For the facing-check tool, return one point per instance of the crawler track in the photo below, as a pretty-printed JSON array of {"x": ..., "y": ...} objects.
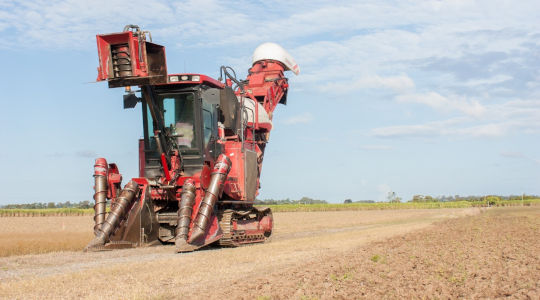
[{"x": 235, "y": 238}]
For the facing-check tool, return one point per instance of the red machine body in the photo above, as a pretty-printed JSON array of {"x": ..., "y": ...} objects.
[
  {"x": 126, "y": 58},
  {"x": 201, "y": 156}
]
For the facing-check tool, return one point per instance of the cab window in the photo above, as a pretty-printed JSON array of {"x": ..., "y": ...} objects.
[
  {"x": 178, "y": 117},
  {"x": 207, "y": 117}
]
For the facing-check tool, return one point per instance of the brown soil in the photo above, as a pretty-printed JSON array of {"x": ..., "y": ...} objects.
[
  {"x": 382, "y": 254},
  {"x": 495, "y": 255}
]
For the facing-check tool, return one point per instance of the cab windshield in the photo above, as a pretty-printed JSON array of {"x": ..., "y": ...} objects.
[{"x": 178, "y": 116}]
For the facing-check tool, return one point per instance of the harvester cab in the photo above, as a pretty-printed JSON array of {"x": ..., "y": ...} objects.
[{"x": 201, "y": 156}]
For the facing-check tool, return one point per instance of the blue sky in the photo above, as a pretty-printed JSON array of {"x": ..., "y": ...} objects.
[{"x": 415, "y": 97}]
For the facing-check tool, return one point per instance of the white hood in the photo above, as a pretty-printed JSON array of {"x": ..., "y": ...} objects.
[{"x": 276, "y": 52}]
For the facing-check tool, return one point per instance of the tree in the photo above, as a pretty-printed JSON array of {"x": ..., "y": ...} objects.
[
  {"x": 393, "y": 198},
  {"x": 418, "y": 198},
  {"x": 347, "y": 201},
  {"x": 305, "y": 200},
  {"x": 492, "y": 200}
]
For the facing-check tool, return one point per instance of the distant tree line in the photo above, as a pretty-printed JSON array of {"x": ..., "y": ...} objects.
[
  {"x": 393, "y": 198},
  {"x": 427, "y": 198},
  {"x": 38, "y": 205},
  {"x": 359, "y": 201},
  {"x": 303, "y": 200}
]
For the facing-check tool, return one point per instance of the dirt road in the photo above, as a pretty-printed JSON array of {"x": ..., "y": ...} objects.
[{"x": 305, "y": 247}]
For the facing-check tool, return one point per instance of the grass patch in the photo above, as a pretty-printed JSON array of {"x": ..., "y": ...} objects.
[
  {"x": 345, "y": 276},
  {"x": 375, "y": 258}
]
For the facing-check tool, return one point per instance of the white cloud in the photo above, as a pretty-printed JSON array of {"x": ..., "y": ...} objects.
[
  {"x": 459, "y": 127},
  {"x": 303, "y": 118},
  {"x": 483, "y": 130},
  {"x": 488, "y": 81},
  {"x": 72, "y": 23},
  {"x": 497, "y": 120},
  {"x": 406, "y": 47},
  {"x": 399, "y": 83},
  {"x": 439, "y": 102},
  {"x": 386, "y": 26},
  {"x": 423, "y": 130}
]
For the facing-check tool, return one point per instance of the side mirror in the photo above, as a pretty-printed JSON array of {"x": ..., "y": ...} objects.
[{"x": 130, "y": 100}]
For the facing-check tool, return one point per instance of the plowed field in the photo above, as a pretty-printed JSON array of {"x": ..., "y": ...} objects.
[{"x": 443, "y": 253}]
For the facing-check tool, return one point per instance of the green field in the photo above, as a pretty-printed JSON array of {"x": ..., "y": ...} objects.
[
  {"x": 387, "y": 205},
  {"x": 292, "y": 207},
  {"x": 45, "y": 212}
]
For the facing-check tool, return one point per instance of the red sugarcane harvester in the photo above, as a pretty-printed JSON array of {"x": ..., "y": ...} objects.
[{"x": 201, "y": 156}]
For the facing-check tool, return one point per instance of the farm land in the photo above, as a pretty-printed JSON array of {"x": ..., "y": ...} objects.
[{"x": 466, "y": 252}]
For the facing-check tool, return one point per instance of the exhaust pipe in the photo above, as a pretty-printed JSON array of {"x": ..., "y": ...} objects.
[
  {"x": 116, "y": 215},
  {"x": 215, "y": 188},
  {"x": 187, "y": 199},
  {"x": 100, "y": 192}
]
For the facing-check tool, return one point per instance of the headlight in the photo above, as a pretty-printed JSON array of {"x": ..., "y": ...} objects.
[
  {"x": 173, "y": 78},
  {"x": 195, "y": 78},
  {"x": 184, "y": 77}
]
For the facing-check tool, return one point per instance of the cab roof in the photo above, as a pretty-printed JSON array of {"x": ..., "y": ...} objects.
[{"x": 191, "y": 78}]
